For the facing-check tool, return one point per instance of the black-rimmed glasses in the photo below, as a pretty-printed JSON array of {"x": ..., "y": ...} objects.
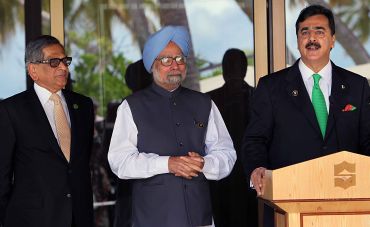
[
  {"x": 54, "y": 62},
  {"x": 167, "y": 60}
]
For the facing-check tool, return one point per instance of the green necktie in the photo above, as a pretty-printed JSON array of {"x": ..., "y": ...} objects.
[{"x": 319, "y": 105}]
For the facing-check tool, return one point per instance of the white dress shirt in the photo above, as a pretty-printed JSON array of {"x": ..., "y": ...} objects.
[
  {"x": 43, "y": 94},
  {"x": 325, "y": 81},
  {"x": 128, "y": 163}
]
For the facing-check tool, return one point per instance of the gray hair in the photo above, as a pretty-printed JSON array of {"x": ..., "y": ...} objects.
[{"x": 34, "y": 48}]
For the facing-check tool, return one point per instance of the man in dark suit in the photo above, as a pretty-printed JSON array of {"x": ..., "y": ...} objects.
[
  {"x": 233, "y": 202},
  {"x": 311, "y": 109},
  {"x": 46, "y": 135}
]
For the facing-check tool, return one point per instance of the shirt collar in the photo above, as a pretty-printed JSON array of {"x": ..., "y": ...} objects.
[
  {"x": 44, "y": 94},
  {"x": 307, "y": 73}
]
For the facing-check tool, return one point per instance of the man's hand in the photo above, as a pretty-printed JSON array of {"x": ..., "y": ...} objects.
[
  {"x": 186, "y": 166},
  {"x": 258, "y": 180},
  {"x": 194, "y": 161},
  {"x": 180, "y": 168}
]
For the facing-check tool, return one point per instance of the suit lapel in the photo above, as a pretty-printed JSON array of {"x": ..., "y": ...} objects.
[
  {"x": 338, "y": 97},
  {"x": 39, "y": 116},
  {"x": 298, "y": 94}
]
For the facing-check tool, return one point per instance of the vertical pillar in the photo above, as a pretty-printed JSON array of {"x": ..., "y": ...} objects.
[
  {"x": 261, "y": 39},
  {"x": 277, "y": 35},
  {"x": 57, "y": 19},
  {"x": 33, "y": 25}
]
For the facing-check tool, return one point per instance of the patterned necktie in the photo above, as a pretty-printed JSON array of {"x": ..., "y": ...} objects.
[
  {"x": 319, "y": 105},
  {"x": 62, "y": 126}
]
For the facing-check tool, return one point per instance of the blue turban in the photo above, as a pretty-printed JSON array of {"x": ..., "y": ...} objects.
[{"x": 159, "y": 40}]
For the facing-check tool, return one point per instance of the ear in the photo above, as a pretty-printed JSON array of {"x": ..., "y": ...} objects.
[
  {"x": 333, "y": 41},
  {"x": 32, "y": 71}
]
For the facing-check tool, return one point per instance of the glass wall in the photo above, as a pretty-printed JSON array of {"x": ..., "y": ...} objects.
[
  {"x": 105, "y": 37},
  {"x": 352, "y": 47},
  {"x": 12, "y": 44},
  {"x": 45, "y": 15}
]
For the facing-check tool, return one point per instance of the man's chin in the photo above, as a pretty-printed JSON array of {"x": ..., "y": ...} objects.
[
  {"x": 313, "y": 56},
  {"x": 61, "y": 84},
  {"x": 175, "y": 79}
]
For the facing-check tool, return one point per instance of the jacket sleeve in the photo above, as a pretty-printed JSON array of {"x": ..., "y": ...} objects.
[
  {"x": 365, "y": 120},
  {"x": 258, "y": 133},
  {"x": 7, "y": 146}
]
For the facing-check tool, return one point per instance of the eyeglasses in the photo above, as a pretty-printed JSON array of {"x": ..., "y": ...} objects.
[
  {"x": 167, "y": 60},
  {"x": 54, "y": 62}
]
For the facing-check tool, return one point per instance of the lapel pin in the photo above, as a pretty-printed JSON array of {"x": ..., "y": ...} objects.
[
  {"x": 75, "y": 106},
  {"x": 295, "y": 93},
  {"x": 342, "y": 86}
]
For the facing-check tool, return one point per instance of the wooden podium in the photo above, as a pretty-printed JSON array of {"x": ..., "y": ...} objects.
[{"x": 331, "y": 191}]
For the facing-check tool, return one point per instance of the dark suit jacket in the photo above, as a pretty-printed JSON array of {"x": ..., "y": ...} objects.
[
  {"x": 38, "y": 187},
  {"x": 283, "y": 129}
]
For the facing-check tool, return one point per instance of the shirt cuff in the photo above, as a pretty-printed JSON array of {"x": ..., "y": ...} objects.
[
  {"x": 208, "y": 169},
  {"x": 251, "y": 184},
  {"x": 162, "y": 164}
]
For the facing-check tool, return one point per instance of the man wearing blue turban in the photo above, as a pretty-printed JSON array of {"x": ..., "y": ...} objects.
[{"x": 171, "y": 140}]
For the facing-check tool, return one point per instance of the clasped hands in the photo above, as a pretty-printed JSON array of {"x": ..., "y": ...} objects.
[{"x": 188, "y": 166}]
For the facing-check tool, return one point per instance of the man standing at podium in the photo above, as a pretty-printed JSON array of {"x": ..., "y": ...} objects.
[{"x": 311, "y": 109}]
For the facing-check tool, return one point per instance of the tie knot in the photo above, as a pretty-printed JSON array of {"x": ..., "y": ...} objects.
[
  {"x": 316, "y": 78},
  {"x": 55, "y": 98}
]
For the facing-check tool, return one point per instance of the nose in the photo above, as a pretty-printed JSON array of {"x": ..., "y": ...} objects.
[
  {"x": 174, "y": 64},
  {"x": 312, "y": 36}
]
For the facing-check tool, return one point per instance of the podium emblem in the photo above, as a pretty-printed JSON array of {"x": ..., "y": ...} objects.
[{"x": 345, "y": 175}]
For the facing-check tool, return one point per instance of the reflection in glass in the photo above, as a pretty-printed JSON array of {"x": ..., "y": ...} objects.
[{"x": 12, "y": 45}]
